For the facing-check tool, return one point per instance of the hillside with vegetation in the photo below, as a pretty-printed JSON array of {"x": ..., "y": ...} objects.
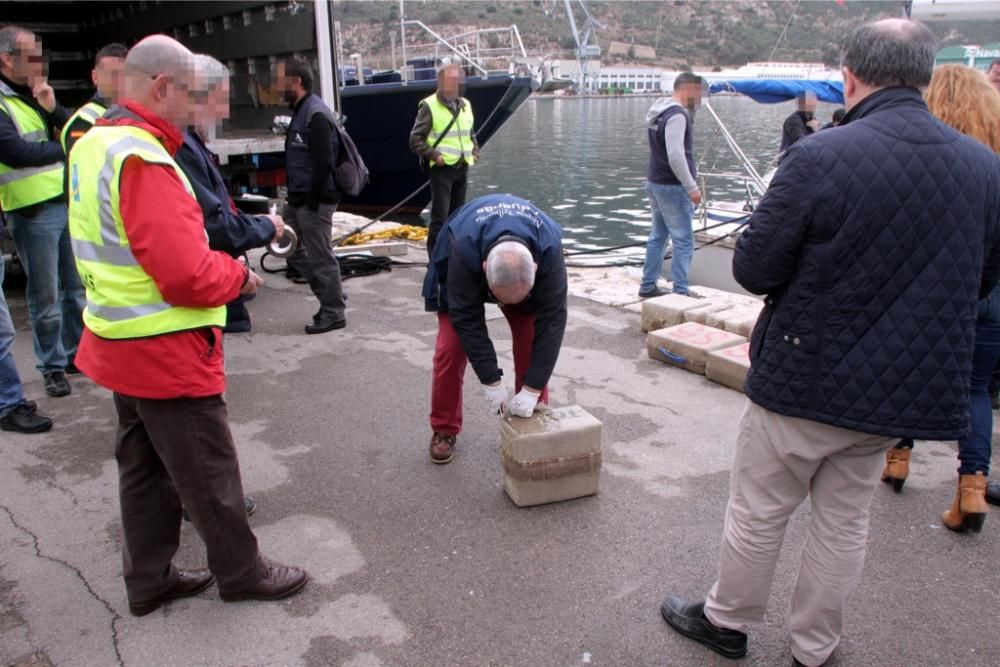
[{"x": 683, "y": 32}]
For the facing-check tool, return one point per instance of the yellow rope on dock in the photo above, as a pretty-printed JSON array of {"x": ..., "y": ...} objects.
[{"x": 405, "y": 232}]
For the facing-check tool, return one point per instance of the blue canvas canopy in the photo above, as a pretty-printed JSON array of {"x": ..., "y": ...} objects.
[{"x": 772, "y": 91}]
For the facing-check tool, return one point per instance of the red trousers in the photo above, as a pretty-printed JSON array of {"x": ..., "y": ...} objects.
[{"x": 450, "y": 362}]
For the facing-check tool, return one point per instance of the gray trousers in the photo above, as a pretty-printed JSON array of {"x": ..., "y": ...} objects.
[
  {"x": 314, "y": 258},
  {"x": 779, "y": 461}
]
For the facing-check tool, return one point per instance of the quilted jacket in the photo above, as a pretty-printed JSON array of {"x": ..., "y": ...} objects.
[{"x": 873, "y": 244}]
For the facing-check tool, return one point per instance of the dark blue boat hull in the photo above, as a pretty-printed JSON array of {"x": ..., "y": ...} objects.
[{"x": 379, "y": 118}]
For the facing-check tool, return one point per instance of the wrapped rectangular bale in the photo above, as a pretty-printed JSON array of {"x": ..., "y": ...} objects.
[
  {"x": 687, "y": 345},
  {"x": 701, "y": 315},
  {"x": 739, "y": 320},
  {"x": 666, "y": 311},
  {"x": 553, "y": 455},
  {"x": 729, "y": 366}
]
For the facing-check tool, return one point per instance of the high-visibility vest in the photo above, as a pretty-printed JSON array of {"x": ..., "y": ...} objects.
[
  {"x": 457, "y": 143},
  {"x": 123, "y": 301},
  {"x": 27, "y": 185},
  {"x": 89, "y": 113}
]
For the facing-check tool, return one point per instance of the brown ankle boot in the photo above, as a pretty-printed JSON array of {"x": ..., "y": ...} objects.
[
  {"x": 968, "y": 509},
  {"x": 897, "y": 468}
]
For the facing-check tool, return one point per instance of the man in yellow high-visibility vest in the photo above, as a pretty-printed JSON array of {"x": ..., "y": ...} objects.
[
  {"x": 108, "y": 76},
  {"x": 156, "y": 298},
  {"x": 31, "y": 196},
  {"x": 443, "y": 136}
]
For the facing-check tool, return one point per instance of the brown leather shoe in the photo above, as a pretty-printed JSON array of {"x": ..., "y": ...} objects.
[
  {"x": 189, "y": 582},
  {"x": 897, "y": 468},
  {"x": 968, "y": 509},
  {"x": 281, "y": 581},
  {"x": 442, "y": 448}
]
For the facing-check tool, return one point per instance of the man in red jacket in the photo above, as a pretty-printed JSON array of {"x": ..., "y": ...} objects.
[{"x": 155, "y": 297}]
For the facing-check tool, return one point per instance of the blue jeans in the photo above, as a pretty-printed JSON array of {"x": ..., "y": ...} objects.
[
  {"x": 11, "y": 393},
  {"x": 974, "y": 449},
  {"x": 55, "y": 293},
  {"x": 672, "y": 214}
]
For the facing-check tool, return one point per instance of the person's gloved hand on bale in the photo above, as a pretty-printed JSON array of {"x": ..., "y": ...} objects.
[
  {"x": 523, "y": 405},
  {"x": 496, "y": 395}
]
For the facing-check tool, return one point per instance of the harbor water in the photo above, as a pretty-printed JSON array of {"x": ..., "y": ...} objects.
[{"x": 583, "y": 160}]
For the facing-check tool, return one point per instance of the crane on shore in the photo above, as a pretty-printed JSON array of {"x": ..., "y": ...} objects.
[{"x": 587, "y": 47}]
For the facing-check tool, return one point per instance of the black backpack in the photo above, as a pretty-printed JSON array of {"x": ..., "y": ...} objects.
[{"x": 349, "y": 170}]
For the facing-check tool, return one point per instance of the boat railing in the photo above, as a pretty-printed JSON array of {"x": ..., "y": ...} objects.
[
  {"x": 704, "y": 212},
  {"x": 474, "y": 49}
]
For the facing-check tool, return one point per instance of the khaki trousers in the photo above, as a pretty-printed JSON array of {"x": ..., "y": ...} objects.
[{"x": 779, "y": 461}]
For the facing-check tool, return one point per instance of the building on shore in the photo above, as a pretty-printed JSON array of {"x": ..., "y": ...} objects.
[{"x": 972, "y": 55}]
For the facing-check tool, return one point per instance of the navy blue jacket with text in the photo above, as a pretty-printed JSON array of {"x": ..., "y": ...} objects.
[
  {"x": 873, "y": 243},
  {"x": 456, "y": 283}
]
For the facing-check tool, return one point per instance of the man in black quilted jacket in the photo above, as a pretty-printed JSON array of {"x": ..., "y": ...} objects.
[{"x": 872, "y": 245}]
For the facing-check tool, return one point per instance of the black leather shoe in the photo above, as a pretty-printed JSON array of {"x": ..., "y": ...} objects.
[
  {"x": 281, "y": 581},
  {"x": 71, "y": 369},
  {"x": 56, "y": 384},
  {"x": 25, "y": 419},
  {"x": 993, "y": 493},
  {"x": 189, "y": 582},
  {"x": 318, "y": 326},
  {"x": 656, "y": 291},
  {"x": 689, "y": 619}
]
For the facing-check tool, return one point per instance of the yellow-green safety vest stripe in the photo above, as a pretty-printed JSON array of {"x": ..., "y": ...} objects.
[
  {"x": 457, "y": 144},
  {"x": 89, "y": 112},
  {"x": 123, "y": 301},
  {"x": 25, "y": 186}
]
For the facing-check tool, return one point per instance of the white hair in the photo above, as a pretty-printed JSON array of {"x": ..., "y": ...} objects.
[
  {"x": 510, "y": 264},
  {"x": 210, "y": 71}
]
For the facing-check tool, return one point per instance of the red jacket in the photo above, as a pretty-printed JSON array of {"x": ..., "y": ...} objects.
[{"x": 166, "y": 233}]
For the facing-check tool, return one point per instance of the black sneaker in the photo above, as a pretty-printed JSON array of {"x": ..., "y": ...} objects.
[
  {"x": 689, "y": 619},
  {"x": 649, "y": 294},
  {"x": 56, "y": 384},
  {"x": 25, "y": 419},
  {"x": 71, "y": 369},
  {"x": 319, "y": 326}
]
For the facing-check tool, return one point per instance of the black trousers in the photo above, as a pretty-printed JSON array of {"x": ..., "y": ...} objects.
[
  {"x": 448, "y": 186},
  {"x": 173, "y": 452},
  {"x": 314, "y": 258}
]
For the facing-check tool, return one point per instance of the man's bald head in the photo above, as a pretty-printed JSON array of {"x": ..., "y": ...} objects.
[
  {"x": 159, "y": 72},
  {"x": 510, "y": 272}
]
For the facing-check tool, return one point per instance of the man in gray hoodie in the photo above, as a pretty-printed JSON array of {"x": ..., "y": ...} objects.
[{"x": 673, "y": 191}]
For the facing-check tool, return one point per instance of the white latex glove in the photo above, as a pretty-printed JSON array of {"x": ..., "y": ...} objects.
[
  {"x": 496, "y": 395},
  {"x": 523, "y": 405}
]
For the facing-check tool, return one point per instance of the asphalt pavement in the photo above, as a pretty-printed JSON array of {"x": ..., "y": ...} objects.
[{"x": 425, "y": 565}]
